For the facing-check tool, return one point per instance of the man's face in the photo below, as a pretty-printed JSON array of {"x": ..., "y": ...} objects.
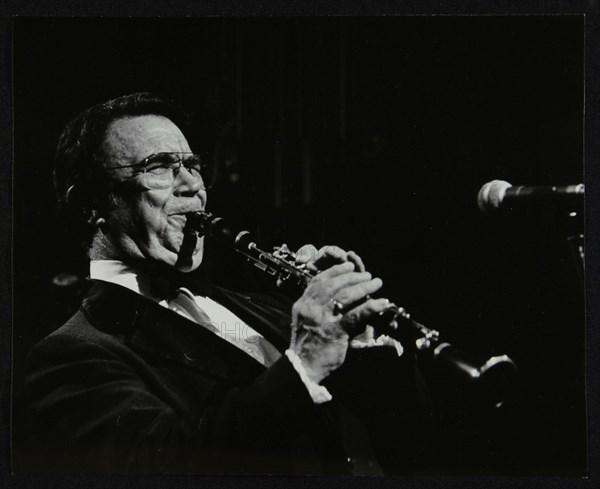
[{"x": 148, "y": 224}]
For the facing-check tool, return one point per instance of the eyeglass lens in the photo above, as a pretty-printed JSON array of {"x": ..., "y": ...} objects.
[{"x": 162, "y": 169}]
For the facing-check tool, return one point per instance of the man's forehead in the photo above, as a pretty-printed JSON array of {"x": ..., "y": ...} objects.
[{"x": 130, "y": 139}]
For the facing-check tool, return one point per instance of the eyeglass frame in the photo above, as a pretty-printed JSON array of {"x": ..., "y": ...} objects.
[{"x": 176, "y": 170}]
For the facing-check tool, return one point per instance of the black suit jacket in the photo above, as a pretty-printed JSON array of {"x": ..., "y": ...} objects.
[{"x": 128, "y": 386}]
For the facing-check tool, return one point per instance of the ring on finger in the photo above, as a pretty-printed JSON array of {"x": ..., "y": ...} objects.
[{"x": 337, "y": 306}]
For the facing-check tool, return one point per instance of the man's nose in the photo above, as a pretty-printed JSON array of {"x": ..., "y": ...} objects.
[{"x": 188, "y": 184}]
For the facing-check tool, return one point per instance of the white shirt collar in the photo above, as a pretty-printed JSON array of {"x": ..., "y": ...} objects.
[{"x": 120, "y": 273}]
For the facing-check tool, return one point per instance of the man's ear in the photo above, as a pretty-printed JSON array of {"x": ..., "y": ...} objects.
[
  {"x": 87, "y": 206},
  {"x": 71, "y": 195}
]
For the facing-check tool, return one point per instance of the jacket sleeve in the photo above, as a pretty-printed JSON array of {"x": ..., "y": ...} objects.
[{"x": 100, "y": 409}]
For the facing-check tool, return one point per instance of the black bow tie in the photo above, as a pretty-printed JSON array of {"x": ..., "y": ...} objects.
[{"x": 164, "y": 284}]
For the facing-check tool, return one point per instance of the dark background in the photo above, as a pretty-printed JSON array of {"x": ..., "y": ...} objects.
[{"x": 372, "y": 133}]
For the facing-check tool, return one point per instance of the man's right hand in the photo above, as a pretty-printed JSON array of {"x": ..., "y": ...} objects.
[{"x": 320, "y": 334}]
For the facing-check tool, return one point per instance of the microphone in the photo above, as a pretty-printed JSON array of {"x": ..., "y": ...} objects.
[{"x": 498, "y": 193}]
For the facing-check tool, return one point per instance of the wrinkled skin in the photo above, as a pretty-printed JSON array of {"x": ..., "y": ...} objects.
[
  {"x": 147, "y": 225},
  {"x": 320, "y": 336}
]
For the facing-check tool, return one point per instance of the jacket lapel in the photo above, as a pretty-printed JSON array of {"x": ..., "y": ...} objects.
[
  {"x": 148, "y": 327},
  {"x": 265, "y": 314}
]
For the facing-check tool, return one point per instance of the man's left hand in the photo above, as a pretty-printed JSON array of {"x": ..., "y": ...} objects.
[{"x": 318, "y": 260}]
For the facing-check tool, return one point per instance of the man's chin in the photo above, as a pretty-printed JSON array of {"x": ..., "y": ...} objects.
[{"x": 188, "y": 263}]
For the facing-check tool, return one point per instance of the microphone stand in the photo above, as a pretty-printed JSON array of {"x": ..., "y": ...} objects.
[{"x": 576, "y": 245}]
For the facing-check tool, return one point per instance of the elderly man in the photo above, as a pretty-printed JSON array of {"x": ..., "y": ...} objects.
[{"x": 146, "y": 377}]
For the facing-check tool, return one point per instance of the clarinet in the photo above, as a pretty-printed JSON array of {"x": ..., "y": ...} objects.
[{"x": 494, "y": 374}]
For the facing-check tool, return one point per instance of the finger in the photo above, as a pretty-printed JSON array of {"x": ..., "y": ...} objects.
[
  {"x": 357, "y": 260},
  {"x": 366, "y": 338},
  {"x": 333, "y": 252},
  {"x": 356, "y": 292},
  {"x": 307, "y": 253},
  {"x": 344, "y": 281},
  {"x": 336, "y": 270},
  {"x": 385, "y": 341},
  {"x": 363, "y": 340},
  {"x": 329, "y": 255},
  {"x": 354, "y": 321}
]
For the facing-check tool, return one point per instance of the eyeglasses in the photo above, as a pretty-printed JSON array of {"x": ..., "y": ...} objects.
[{"x": 159, "y": 170}]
